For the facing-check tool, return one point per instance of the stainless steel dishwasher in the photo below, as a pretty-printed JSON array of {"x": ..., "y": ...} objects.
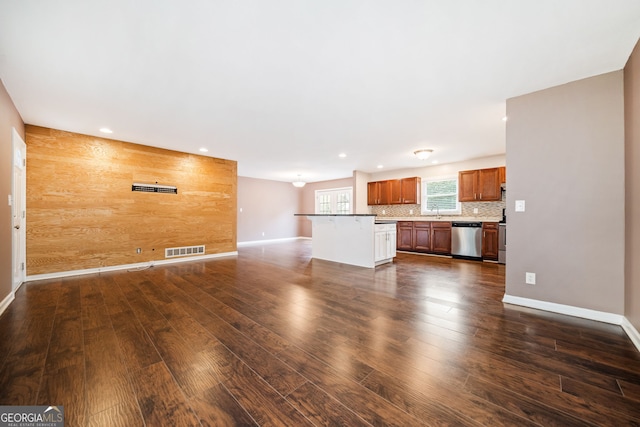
[{"x": 466, "y": 240}]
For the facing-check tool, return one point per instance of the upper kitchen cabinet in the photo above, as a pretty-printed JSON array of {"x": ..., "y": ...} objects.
[
  {"x": 410, "y": 191},
  {"x": 378, "y": 193},
  {"x": 394, "y": 192},
  {"x": 481, "y": 185}
]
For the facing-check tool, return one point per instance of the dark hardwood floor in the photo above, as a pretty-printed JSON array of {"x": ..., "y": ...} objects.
[{"x": 272, "y": 337}]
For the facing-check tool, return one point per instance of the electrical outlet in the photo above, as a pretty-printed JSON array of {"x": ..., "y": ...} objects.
[
  {"x": 519, "y": 205},
  {"x": 475, "y": 210},
  {"x": 384, "y": 212},
  {"x": 530, "y": 278},
  {"x": 410, "y": 211},
  {"x": 139, "y": 250}
]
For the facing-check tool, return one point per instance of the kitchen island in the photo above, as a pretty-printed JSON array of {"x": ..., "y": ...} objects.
[{"x": 356, "y": 239}]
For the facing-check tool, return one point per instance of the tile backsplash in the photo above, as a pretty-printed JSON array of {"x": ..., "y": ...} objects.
[{"x": 485, "y": 210}]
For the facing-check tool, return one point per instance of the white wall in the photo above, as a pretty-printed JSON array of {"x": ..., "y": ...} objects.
[
  {"x": 632, "y": 202},
  {"x": 441, "y": 170},
  {"x": 267, "y": 207},
  {"x": 360, "y": 180},
  {"x": 565, "y": 159}
]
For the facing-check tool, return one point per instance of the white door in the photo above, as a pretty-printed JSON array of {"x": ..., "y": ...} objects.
[
  {"x": 18, "y": 209},
  {"x": 380, "y": 246},
  {"x": 391, "y": 243}
]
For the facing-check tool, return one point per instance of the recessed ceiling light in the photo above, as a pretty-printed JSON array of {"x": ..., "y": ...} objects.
[
  {"x": 203, "y": 150},
  {"x": 342, "y": 155},
  {"x": 380, "y": 166},
  {"x": 106, "y": 130},
  {"x": 435, "y": 162}
]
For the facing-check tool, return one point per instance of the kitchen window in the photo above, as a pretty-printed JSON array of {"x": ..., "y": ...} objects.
[
  {"x": 440, "y": 196},
  {"x": 334, "y": 201}
]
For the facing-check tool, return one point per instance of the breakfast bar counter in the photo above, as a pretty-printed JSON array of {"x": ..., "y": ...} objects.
[{"x": 352, "y": 239}]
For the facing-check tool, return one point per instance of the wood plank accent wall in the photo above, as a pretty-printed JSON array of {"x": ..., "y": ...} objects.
[{"x": 81, "y": 212}]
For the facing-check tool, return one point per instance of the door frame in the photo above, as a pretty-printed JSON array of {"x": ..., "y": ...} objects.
[{"x": 18, "y": 211}]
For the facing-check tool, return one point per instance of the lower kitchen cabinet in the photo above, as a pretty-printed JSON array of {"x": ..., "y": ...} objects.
[
  {"x": 432, "y": 237},
  {"x": 441, "y": 238},
  {"x": 422, "y": 236},
  {"x": 490, "y": 241},
  {"x": 405, "y": 235},
  {"x": 385, "y": 243}
]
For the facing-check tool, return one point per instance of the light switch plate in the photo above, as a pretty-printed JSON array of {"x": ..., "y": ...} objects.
[{"x": 519, "y": 205}]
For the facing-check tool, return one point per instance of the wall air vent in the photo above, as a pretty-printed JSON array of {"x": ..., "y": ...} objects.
[
  {"x": 154, "y": 188},
  {"x": 184, "y": 251}
]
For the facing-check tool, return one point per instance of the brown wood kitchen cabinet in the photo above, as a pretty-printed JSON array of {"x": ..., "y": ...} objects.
[
  {"x": 481, "y": 185},
  {"x": 410, "y": 191},
  {"x": 404, "y": 230},
  {"x": 490, "y": 241},
  {"x": 422, "y": 236},
  {"x": 379, "y": 193},
  {"x": 432, "y": 237},
  {"x": 441, "y": 238},
  {"x": 394, "y": 192}
]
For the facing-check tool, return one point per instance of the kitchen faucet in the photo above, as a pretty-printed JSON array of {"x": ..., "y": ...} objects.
[{"x": 437, "y": 210}]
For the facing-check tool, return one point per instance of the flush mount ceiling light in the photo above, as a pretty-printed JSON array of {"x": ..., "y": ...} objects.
[
  {"x": 106, "y": 130},
  {"x": 342, "y": 155},
  {"x": 423, "y": 154},
  {"x": 203, "y": 150},
  {"x": 299, "y": 182}
]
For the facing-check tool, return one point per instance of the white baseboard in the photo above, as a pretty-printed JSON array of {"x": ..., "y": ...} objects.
[
  {"x": 585, "y": 313},
  {"x": 71, "y": 273},
  {"x": 5, "y": 302},
  {"x": 632, "y": 332},
  {"x": 269, "y": 241}
]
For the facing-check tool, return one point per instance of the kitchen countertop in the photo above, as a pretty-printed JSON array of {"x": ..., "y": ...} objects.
[
  {"x": 387, "y": 219},
  {"x": 447, "y": 219},
  {"x": 302, "y": 214}
]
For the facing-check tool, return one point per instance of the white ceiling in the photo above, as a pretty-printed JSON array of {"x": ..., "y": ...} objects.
[{"x": 284, "y": 86}]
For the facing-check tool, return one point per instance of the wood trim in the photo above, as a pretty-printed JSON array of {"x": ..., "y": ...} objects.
[
  {"x": 269, "y": 241},
  {"x": 632, "y": 332},
  {"x": 141, "y": 265},
  {"x": 585, "y": 313},
  {"x": 6, "y": 301}
]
